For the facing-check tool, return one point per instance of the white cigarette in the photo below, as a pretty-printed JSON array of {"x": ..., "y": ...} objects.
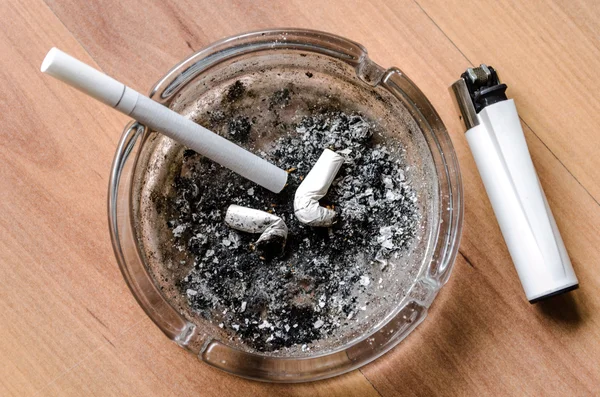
[
  {"x": 314, "y": 187},
  {"x": 273, "y": 228},
  {"x": 160, "y": 118}
]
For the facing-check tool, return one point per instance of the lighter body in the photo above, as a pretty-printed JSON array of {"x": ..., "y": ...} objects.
[
  {"x": 503, "y": 160},
  {"x": 526, "y": 221}
]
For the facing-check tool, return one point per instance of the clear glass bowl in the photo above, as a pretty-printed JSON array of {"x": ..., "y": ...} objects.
[{"x": 268, "y": 59}]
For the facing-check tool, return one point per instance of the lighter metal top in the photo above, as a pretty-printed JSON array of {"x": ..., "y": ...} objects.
[{"x": 477, "y": 88}]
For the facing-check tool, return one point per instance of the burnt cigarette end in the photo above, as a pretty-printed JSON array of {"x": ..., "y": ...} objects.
[{"x": 270, "y": 247}]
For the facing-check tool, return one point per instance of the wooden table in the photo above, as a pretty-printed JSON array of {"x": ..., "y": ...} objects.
[{"x": 68, "y": 323}]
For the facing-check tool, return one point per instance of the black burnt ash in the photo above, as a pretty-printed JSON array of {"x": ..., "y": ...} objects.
[
  {"x": 235, "y": 91},
  {"x": 325, "y": 276},
  {"x": 239, "y": 129},
  {"x": 280, "y": 98}
]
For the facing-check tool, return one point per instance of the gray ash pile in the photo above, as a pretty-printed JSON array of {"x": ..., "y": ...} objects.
[{"x": 326, "y": 275}]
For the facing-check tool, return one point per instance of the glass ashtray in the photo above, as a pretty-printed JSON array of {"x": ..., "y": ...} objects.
[{"x": 260, "y": 85}]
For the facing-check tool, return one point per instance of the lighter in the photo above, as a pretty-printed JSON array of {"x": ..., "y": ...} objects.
[{"x": 498, "y": 145}]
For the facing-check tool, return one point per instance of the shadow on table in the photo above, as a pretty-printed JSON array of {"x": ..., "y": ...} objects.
[
  {"x": 471, "y": 324},
  {"x": 562, "y": 309}
]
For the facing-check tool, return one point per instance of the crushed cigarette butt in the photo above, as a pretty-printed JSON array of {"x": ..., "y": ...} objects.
[
  {"x": 314, "y": 187},
  {"x": 272, "y": 228}
]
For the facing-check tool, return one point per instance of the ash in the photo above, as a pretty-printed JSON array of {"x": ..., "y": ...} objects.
[{"x": 326, "y": 275}]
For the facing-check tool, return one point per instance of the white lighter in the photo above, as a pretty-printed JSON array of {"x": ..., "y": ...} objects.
[{"x": 498, "y": 145}]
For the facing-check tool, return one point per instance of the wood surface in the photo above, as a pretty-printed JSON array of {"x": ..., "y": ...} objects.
[{"x": 70, "y": 327}]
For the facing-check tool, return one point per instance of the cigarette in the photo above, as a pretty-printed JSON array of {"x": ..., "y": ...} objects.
[
  {"x": 273, "y": 229},
  {"x": 314, "y": 187},
  {"x": 162, "y": 119}
]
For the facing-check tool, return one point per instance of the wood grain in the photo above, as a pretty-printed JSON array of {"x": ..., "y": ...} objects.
[
  {"x": 549, "y": 51},
  {"x": 57, "y": 272},
  {"x": 155, "y": 366},
  {"x": 70, "y": 327}
]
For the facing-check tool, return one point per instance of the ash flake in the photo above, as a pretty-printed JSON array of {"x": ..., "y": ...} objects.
[
  {"x": 178, "y": 231},
  {"x": 265, "y": 324}
]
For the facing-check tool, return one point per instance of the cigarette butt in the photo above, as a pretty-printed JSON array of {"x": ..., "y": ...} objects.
[
  {"x": 273, "y": 229},
  {"x": 314, "y": 187}
]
